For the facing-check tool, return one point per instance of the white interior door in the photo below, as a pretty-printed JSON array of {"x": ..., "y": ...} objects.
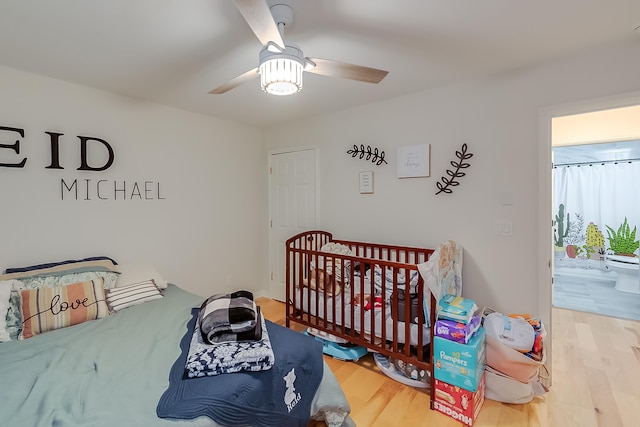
[{"x": 292, "y": 207}]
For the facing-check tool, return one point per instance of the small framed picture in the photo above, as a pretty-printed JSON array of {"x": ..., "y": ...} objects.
[
  {"x": 366, "y": 182},
  {"x": 414, "y": 161}
]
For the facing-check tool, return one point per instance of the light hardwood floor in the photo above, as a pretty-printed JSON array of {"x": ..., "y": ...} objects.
[{"x": 596, "y": 381}]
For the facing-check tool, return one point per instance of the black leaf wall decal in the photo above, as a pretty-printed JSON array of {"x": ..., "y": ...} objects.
[
  {"x": 368, "y": 153},
  {"x": 451, "y": 181}
]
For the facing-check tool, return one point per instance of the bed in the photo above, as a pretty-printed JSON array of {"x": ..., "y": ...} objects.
[
  {"x": 114, "y": 370},
  {"x": 371, "y": 295}
]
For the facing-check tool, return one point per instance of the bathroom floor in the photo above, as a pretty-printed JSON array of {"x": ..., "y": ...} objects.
[{"x": 595, "y": 296}]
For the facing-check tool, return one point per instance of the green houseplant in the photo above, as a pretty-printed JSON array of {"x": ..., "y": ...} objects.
[
  {"x": 560, "y": 232},
  {"x": 623, "y": 241}
]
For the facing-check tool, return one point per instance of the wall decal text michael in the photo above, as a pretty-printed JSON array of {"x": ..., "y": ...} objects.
[{"x": 83, "y": 189}]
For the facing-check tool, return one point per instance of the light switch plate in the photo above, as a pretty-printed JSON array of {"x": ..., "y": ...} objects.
[{"x": 502, "y": 227}]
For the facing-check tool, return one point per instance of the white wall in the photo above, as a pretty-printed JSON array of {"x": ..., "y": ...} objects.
[
  {"x": 499, "y": 119},
  {"x": 207, "y": 233}
]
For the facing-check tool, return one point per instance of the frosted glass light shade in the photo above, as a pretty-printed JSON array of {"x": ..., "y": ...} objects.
[{"x": 281, "y": 76}]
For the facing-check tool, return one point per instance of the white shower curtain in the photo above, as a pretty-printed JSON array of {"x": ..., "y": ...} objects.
[{"x": 602, "y": 193}]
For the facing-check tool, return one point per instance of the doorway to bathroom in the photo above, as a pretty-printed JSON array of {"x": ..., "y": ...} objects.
[{"x": 596, "y": 173}]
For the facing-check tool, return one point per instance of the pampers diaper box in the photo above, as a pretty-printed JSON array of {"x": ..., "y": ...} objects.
[{"x": 460, "y": 364}]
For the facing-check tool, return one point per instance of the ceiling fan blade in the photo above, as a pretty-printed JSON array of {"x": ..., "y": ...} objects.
[
  {"x": 235, "y": 82},
  {"x": 259, "y": 17},
  {"x": 327, "y": 67}
]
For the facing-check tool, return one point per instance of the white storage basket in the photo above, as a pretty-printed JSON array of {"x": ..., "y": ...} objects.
[
  {"x": 513, "y": 363},
  {"x": 505, "y": 389}
]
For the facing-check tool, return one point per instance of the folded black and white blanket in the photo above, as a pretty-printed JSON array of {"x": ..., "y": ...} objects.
[
  {"x": 206, "y": 359},
  {"x": 254, "y": 334},
  {"x": 227, "y": 313}
]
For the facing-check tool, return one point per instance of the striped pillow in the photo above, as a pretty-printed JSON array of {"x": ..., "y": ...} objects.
[
  {"x": 47, "y": 309},
  {"x": 127, "y": 296}
]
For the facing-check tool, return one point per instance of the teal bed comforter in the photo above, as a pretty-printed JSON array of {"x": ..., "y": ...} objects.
[{"x": 112, "y": 371}]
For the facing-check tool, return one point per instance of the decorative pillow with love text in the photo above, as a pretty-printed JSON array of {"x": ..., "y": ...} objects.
[{"x": 46, "y": 309}]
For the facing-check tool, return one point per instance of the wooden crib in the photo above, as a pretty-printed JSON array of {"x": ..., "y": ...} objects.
[{"x": 354, "y": 290}]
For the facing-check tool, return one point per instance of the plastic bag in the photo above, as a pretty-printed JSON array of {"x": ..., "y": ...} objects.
[{"x": 516, "y": 333}]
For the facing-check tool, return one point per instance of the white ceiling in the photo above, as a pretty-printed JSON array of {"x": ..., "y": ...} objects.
[{"x": 175, "y": 51}]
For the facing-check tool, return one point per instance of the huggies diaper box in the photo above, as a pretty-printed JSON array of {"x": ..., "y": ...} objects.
[
  {"x": 460, "y": 364},
  {"x": 460, "y": 404}
]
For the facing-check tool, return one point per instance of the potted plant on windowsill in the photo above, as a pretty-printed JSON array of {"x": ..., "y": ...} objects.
[{"x": 623, "y": 241}]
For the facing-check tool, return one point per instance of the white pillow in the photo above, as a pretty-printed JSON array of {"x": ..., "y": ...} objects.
[
  {"x": 138, "y": 272},
  {"x": 128, "y": 296},
  {"x": 5, "y": 293}
]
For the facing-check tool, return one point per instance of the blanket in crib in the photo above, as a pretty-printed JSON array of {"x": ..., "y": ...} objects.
[
  {"x": 228, "y": 357},
  {"x": 227, "y": 313},
  {"x": 279, "y": 397},
  {"x": 385, "y": 279},
  {"x": 328, "y": 264}
]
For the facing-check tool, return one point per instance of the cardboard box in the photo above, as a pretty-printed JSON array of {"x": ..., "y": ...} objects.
[
  {"x": 460, "y": 404},
  {"x": 460, "y": 364}
]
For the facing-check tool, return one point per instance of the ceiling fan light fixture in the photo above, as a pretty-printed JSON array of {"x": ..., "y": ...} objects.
[
  {"x": 281, "y": 65},
  {"x": 281, "y": 72},
  {"x": 281, "y": 76},
  {"x": 309, "y": 64},
  {"x": 272, "y": 47}
]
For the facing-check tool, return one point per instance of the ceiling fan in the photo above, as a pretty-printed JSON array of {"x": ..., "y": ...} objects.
[{"x": 281, "y": 64}]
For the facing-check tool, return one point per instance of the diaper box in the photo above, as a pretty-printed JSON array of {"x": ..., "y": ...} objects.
[
  {"x": 457, "y": 331},
  {"x": 460, "y": 364},
  {"x": 460, "y": 404}
]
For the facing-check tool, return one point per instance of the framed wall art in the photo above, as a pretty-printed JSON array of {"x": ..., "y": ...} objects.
[
  {"x": 366, "y": 182},
  {"x": 414, "y": 161}
]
